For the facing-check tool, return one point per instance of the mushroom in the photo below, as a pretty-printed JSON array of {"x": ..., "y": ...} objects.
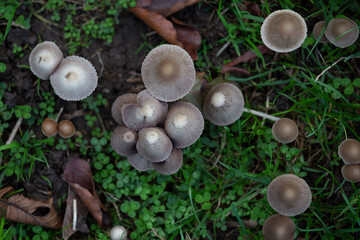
[
  {"x": 118, "y": 233},
  {"x": 148, "y": 112},
  {"x": 139, "y": 162},
  {"x": 351, "y": 172},
  {"x": 119, "y": 103},
  {"x": 278, "y": 227},
  {"x": 172, "y": 164},
  {"x": 49, "y": 127},
  {"x": 289, "y": 195},
  {"x": 75, "y": 79},
  {"x": 184, "y": 124},
  {"x": 283, "y": 31},
  {"x": 318, "y": 28},
  {"x": 223, "y": 104},
  {"x": 285, "y": 130},
  {"x": 66, "y": 129},
  {"x": 168, "y": 72},
  {"x": 349, "y": 151},
  {"x": 153, "y": 144},
  {"x": 123, "y": 141},
  {"x": 44, "y": 59},
  {"x": 342, "y": 32}
]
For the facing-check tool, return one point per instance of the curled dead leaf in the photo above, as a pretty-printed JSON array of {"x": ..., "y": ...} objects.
[
  {"x": 249, "y": 55},
  {"x": 165, "y": 7}
]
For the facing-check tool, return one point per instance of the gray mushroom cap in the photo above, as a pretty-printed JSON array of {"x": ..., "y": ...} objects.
[
  {"x": 283, "y": 31},
  {"x": 66, "y": 129},
  {"x": 49, "y": 127},
  {"x": 349, "y": 151},
  {"x": 289, "y": 195},
  {"x": 278, "y": 227},
  {"x": 44, "y": 59},
  {"x": 139, "y": 162},
  {"x": 337, "y": 32},
  {"x": 168, "y": 72},
  {"x": 74, "y": 79},
  {"x": 223, "y": 104},
  {"x": 172, "y": 164},
  {"x": 153, "y": 144},
  {"x": 351, "y": 172},
  {"x": 119, "y": 103},
  {"x": 318, "y": 28},
  {"x": 285, "y": 130},
  {"x": 148, "y": 112},
  {"x": 184, "y": 124},
  {"x": 123, "y": 141}
]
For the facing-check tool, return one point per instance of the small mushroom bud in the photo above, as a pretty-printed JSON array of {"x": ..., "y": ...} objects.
[
  {"x": 278, "y": 227},
  {"x": 118, "y": 233},
  {"x": 44, "y": 59},
  {"x": 171, "y": 165},
  {"x": 349, "y": 151},
  {"x": 285, "y": 130},
  {"x": 283, "y": 31},
  {"x": 342, "y": 32},
  {"x": 123, "y": 141},
  {"x": 49, "y": 127},
  {"x": 140, "y": 163},
  {"x": 351, "y": 172},
  {"x": 318, "y": 28},
  {"x": 119, "y": 103},
  {"x": 66, "y": 129}
]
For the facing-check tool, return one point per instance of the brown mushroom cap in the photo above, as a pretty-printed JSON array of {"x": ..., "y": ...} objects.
[
  {"x": 172, "y": 164},
  {"x": 44, "y": 59},
  {"x": 168, "y": 72},
  {"x": 153, "y": 144},
  {"x": 119, "y": 103},
  {"x": 148, "y": 112},
  {"x": 66, "y": 129},
  {"x": 74, "y": 79},
  {"x": 349, "y": 151},
  {"x": 283, "y": 30},
  {"x": 351, "y": 172},
  {"x": 289, "y": 195},
  {"x": 318, "y": 28},
  {"x": 184, "y": 124},
  {"x": 123, "y": 141},
  {"x": 278, "y": 227},
  {"x": 139, "y": 162},
  {"x": 285, "y": 130},
  {"x": 337, "y": 27},
  {"x": 49, "y": 127},
  {"x": 223, "y": 104}
]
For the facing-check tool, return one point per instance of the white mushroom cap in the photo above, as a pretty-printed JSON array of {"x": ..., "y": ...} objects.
[
  {"x": 318, "y": 28},
  {"x": 337, "y": 27},
  {"x": 278, "y": 227},
  {"x": 44, "y": 59},
  {"x": 140, "y": 163},
  {"x": 172, "y": 164},
  {"x": 119, "y": 103},
  {"x": 168, "y": 72},
  {"x": 118, "y": 233},
  {"x": 74, "y": 79},
  {"x": 283, "y": 31},
  {"x": 123, "y": 141}
]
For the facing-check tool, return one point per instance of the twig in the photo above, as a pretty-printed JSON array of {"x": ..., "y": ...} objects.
[
  {"x": 14, "y": 131},
  {"x": 74, "y": 214},
  {"x": 41, "y": 18},
  {"x": 326, "y": 69},
  {"x": 102, "y": 64},
  {"x": 261, "y": 114},
  {"x": 222, "y": 48}
]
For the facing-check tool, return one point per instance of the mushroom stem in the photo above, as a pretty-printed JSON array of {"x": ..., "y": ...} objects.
[
  {"x": 261, "y": 114},
  {"x": 74, "y": 215},
  {"x": 59, "y": 114}
]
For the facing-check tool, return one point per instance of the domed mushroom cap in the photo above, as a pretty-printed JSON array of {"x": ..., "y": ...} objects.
[
  {"x": 119, "y": 103},
  {"x": 349, "y": 151},
  {"x": 148, "y": 112},
  {"x": 317, "y": 31},
  {"x": 140, "y": 163},
  {"x": 285, "y": 130},
  {"x": 351, "y": 172},
  {"x": 168, "y": 72},
  {"x": 118, "y": 233},
  {"x": 172, "y": 164},
  {"x": 283, "y": 31},
  {"x": 44, "y": 59},
  {"x": 66, "y": 129},
  {"x": 153, "y": 144},
  {"x": 184, "y": 124},
  {"x": 49, "y": 127},
  {"x": 289, "y": 195},
  {"x": 278, "y": 227},
  {"x": 123, "y": 141},
  {"x": 223, "y": 104},
  {"x": 74, "y": 79},
  {"x": 337, "y": 27}
]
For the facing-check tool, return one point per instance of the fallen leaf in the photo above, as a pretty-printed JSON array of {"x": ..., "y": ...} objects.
[
  {"x": 18, "y": 208},
  {"x": 165, "y": 7},
  {"x": 251, "y": 7},
  {"x": 249, "y": 55},
  {"x": 234, "y": 69}
]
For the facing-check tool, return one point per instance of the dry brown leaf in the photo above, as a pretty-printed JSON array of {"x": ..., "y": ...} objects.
[
  {"x": 251, "y": 7},
  {"x": 234, "y": 69},
  {"x": 165, "y": 7},
  {"x": 249, "y": 55},
  {"x": 18, "y": 208}
]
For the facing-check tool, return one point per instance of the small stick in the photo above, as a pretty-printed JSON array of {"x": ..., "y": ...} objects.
[
  {"x": 222, "y": 48},
  {"x": 74, "y": 214},
  {"x": 326, "y": 69},
  {"x": 261, "y": 114},
  {"x": 14, "y": 131}
]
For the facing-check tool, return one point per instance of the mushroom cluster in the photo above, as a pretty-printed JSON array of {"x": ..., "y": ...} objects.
[
  {"x": 349, "y": 152},
  {"x": 341, "y": 32},
  {"x": 50, "y": 128},
  {"x": 151, "y": 132},
  {"x": 73, "y": 78}
]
